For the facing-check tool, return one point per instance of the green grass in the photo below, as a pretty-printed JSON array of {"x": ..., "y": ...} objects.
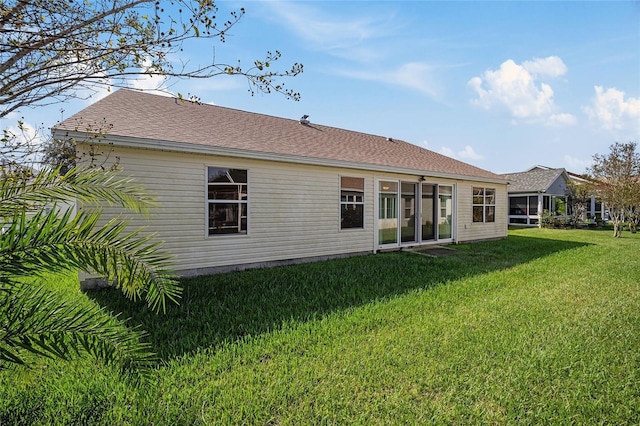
[{"x": 540, "y": 328}]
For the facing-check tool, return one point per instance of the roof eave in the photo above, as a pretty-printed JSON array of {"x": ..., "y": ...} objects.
[{"x": 129, "y": 142}]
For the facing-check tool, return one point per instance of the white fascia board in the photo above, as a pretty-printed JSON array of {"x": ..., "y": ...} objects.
[{"x": 154, "y": 144}]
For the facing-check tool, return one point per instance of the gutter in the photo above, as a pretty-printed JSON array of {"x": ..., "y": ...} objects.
[{"x": 170, "y": 146}]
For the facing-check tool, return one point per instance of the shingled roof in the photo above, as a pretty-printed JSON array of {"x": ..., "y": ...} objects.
[
  {"x": 536, "y": 179},
  {"x": 157, "y": 122}
]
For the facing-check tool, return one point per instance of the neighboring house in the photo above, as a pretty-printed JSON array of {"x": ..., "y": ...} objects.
[
  {"x": 238, "y": 189},
  {"x": 595, "y": 210},
  {"x": 543, "y": 188}
]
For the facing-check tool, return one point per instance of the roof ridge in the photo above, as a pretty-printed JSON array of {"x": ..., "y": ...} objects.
[
  {"x": 137, "y": 115},
  {"x": 311, "y": 124}
]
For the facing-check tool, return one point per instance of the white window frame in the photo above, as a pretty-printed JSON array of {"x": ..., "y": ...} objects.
[
  {"x": 484, "y": 203},
  {"x": 240, "y": 202},
  {"x": 352, "y": 201}
]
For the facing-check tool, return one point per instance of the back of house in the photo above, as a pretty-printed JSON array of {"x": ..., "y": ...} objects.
[{"x": 238, "y": 189}]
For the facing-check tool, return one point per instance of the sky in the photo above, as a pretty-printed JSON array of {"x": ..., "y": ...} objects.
[{"x": 503, "y": 86}]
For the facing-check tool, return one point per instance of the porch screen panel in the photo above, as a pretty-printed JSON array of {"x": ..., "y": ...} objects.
[{"x": 533, "y": 205}]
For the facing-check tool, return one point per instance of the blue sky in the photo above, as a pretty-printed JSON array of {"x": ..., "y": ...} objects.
[{"x": 500, "y": 85}]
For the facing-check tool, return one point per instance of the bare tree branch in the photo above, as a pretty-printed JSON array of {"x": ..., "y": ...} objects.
[{"x": 53, "y": 49}]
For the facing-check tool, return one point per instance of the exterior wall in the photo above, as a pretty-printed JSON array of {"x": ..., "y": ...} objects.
[
  {"x": 294, "y": 210},
  {"x": 559, "y": 187},
  {"x": 468, "y": 230}
]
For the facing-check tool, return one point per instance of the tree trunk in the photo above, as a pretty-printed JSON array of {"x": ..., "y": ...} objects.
[
  {"x": 617, "y": 230},
  {"x": 616, "y": 219}
]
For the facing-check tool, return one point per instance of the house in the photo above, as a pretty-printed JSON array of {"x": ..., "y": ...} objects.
[
  {"x": 595, "y": 210},
  {"x": 238, "y": 189},
  {"x": 540, "y": 189}
]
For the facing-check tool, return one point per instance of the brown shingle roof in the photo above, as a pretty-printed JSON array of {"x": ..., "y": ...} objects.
[{"x": 158, "y": 118}]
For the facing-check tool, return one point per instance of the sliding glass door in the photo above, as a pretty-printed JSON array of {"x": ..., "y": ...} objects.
[
  {"x": 388, "y": 213},
  {"x": 428, "y": 212},
  {"x": 408, "y": 211},
  {"x": 411, "y": 212},
  {"x": 445, "y": 222}
]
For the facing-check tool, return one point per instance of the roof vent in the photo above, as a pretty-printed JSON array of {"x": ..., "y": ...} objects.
[
  {"x": 304, "y": 119},
  {"x": 389, "y": 139}
]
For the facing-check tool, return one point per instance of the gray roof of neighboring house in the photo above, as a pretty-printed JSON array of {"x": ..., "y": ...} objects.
[
  {"x": 536, "y": 179},
  {"x": 154, "y": 122}
]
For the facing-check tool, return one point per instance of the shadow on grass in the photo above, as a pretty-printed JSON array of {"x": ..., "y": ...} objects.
[{"x": 223, "y": 308}]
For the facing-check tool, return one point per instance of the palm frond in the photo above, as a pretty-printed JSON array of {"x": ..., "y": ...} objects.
[
  {"x": 61, "y": 241},
  {"x": 45, "y": 323},
  {"x": 87, "y": 185}
]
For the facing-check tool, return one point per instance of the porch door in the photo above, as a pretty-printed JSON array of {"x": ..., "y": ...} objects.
[
  {"x": 408, "y": 212},
  {"x": 428, "y": 212},
  {"x": 388, "y": 213},
  {"x": 445, "y": 222}
]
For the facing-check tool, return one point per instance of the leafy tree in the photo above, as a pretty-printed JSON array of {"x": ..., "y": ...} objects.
[
  {"x": 632, "y": 214},
  {"x": 617, "y": 175},
  {"x": 17, "y": 148},
  {"x": 633, "y": 218},
  {"x": 60, "y": 153},
  {"x": 40, "y": 237},
  {"x": 63, "y": 153},
  {"x": 579, "y": 198},
  {"x": 50, "y": 49}
]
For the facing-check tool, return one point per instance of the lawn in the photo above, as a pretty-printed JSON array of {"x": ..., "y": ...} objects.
[{"x": 540, "y": 328}]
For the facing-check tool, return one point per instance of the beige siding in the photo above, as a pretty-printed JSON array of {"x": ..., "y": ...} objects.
[
  {"x": 469, "y": 230},
  {"x": 294, "y": 210}
]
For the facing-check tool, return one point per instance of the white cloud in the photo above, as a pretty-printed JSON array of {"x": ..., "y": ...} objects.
[
  {"x": 516, "y": 88},
  {"x": 611, "y": 111},
  {"x": 551, "y": 66},
  {"x": 564, "y": 119},
  {"x": 320, "y": 30},
  {"x": 28, "y": 137},
  {"x": 155, "y": 84},
  {"x": 27, "y": 133},
  {"x": 576, "y": 165},
  {"x": 469, "y": 153},
  {"x": 90, "y": 93},
  {"x": 447, "y": 151},
  {"x": 413, "y": 75},
  {"x": 339, "y": 36}
]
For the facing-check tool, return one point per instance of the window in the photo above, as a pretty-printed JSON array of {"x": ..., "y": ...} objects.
[
  {"x": 484, "y": 204},
  {"x": 227, "y": 199},
  {"x": 351, "y": 202}
]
